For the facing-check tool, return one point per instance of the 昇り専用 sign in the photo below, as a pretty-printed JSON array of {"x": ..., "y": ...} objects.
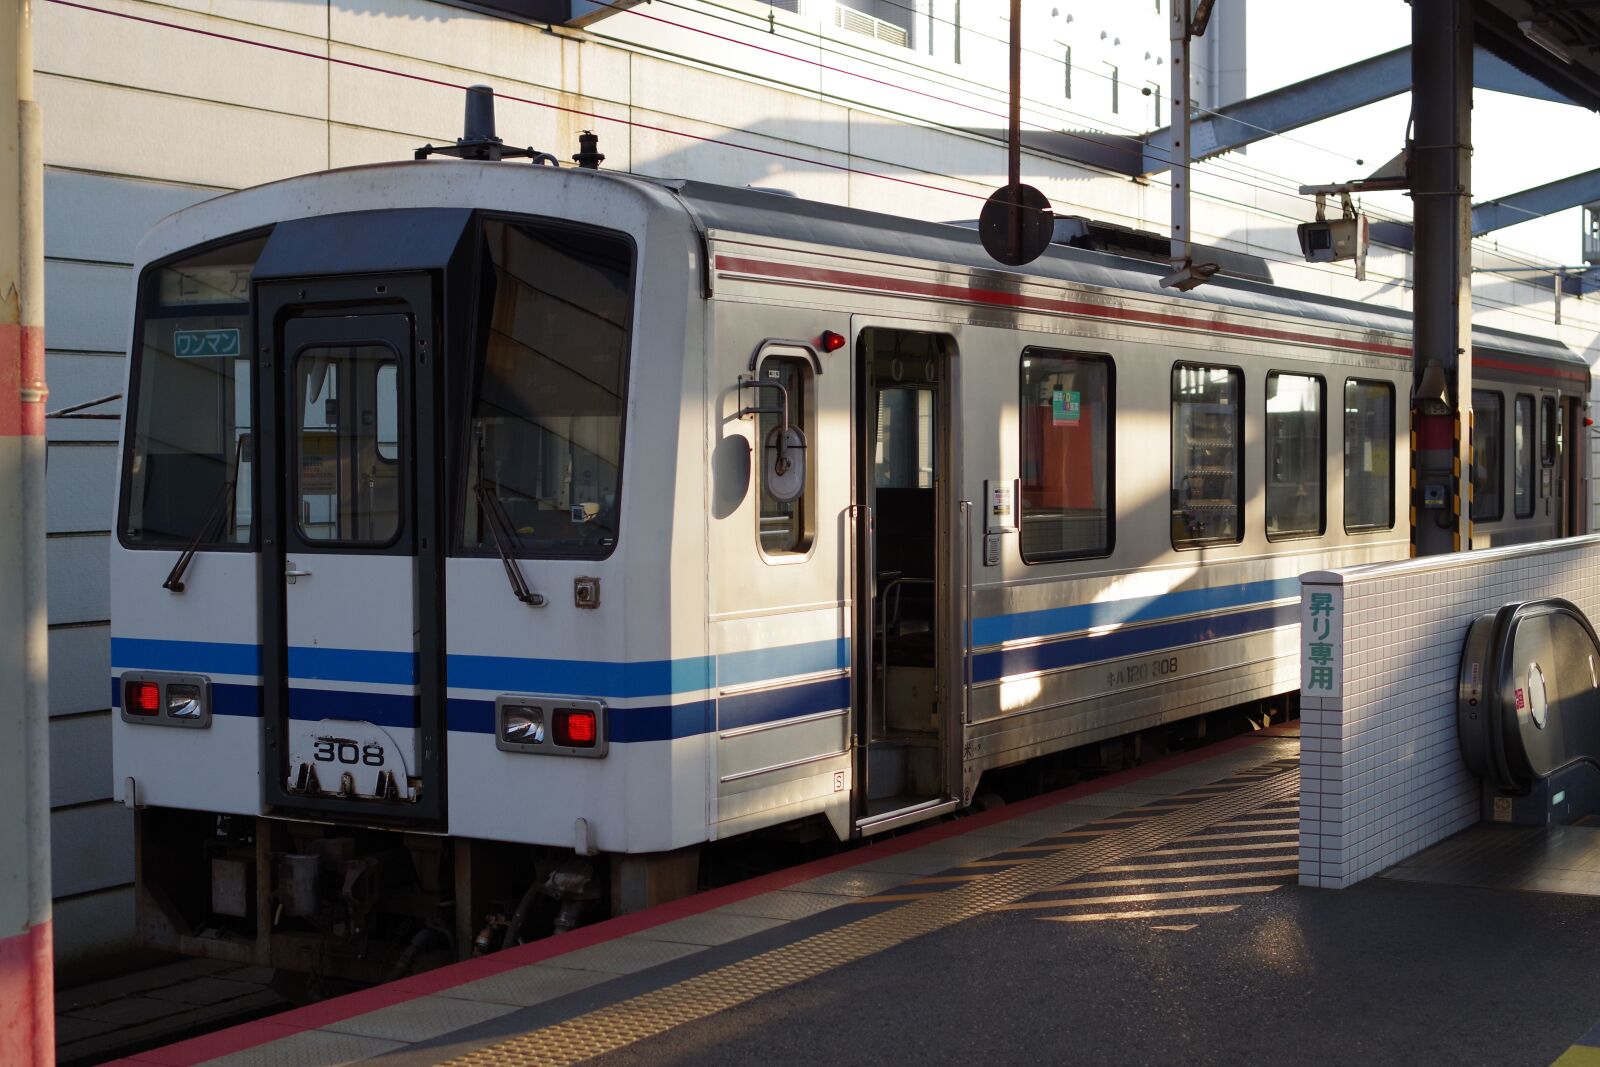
[{"x": 1321, "y": 643}]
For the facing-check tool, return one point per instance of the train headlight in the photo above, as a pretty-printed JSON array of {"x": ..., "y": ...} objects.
[
  {"x": 522, "y": 725},
  {"x": 183, "y": 701}
]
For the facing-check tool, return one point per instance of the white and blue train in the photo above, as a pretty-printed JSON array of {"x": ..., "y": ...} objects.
[{"x": 478, "y": 517}]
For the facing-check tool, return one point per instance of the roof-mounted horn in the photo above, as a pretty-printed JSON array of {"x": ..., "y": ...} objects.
[{"x": 478, "y": 140}]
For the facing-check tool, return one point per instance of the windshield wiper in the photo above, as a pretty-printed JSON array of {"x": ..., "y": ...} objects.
[
  {"x": 490, "y": 506},
  {"x": 219, "y": 505}
]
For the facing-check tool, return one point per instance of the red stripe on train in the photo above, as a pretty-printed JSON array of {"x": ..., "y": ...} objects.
[
  {"x": 1570, "y": 373},
  {"x": 999, "y": 298}
]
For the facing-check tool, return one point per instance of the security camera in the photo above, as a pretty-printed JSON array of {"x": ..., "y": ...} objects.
[{"x": 1327, "y": 240}]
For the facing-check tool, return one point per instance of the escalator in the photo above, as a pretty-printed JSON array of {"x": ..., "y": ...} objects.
[{"x": 1528, "y": 712}]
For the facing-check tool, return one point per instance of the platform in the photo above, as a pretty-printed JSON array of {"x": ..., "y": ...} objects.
[{"x": 1151, "y": 916}]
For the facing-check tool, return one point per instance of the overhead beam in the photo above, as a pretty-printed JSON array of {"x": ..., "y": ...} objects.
[
  {"x": 1503, "y": 211},
  {"x": 1324, "y": 96},
  {"x": 1573, "y": 191},
  {"x": 1279, "y": 111},
  {"x": 1359, "y": 84}
]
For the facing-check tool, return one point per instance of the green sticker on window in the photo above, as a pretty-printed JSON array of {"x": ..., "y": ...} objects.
[{"x": 1064, "y": 408}]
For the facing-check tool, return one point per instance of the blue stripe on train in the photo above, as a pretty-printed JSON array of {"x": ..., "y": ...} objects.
[
  {"x": 996, "y": 629},
  {"x": 380, "y": 709},
  {"x": 353, "y": 665},
  {"x": 596, "y": 678},
  {"x": 739, "y": 710},
  {"x": 201, "y": 657},
  {"x": 661, "y": 722},
  {"x": 1119, "y": 644},
  {"x": 661, "y": 678}
]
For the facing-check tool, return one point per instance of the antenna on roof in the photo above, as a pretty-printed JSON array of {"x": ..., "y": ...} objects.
[{"x": 478, "y": 140}]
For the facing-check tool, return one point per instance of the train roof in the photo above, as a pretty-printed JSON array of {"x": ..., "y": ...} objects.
[
  {"x": 768, "y": 214},
  {"x": 762, "y": 213}
]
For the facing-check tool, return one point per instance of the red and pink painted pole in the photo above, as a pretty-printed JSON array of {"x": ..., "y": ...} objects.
[{"x": 27, "y": 1013}]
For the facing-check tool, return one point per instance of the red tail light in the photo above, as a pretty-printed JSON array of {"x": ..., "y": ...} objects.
[
  {"x": 575, "y": 729},
  {"x": 144, "y": 698}
]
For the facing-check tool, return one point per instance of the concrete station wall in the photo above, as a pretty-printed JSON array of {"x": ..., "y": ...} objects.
[
  {"x": 1381, "y": 775},
  {"x": 143, "y": 117}
]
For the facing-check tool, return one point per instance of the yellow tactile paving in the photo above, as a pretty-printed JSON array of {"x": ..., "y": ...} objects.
[
  {"x": 619, "y": 1025},
  {"x": 1135, "y": 898},
  {"x": 1148, "y": 913}
]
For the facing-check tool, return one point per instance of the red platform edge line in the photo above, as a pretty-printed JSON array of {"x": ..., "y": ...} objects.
[{"x": 249, "y": 1035}]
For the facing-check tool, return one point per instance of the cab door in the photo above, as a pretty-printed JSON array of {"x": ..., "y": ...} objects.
[{"x": 352, "y": 637}]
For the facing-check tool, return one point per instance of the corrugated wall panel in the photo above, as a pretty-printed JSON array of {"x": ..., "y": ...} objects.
[
  {"x": 80, "y": 759},
  {"x": 80, "y": 576},
  {"x": 80, "y": 669},
  {"x": 91, "y": 847},
  {"x": 77, "y": 378},
  {"x": 78, "y": 482}
]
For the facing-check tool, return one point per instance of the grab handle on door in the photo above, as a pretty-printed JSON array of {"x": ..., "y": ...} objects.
[{"x": 291, "y": 572}]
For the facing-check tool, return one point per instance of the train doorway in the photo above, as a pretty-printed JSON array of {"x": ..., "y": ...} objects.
[
  {"x": 906, "y": 656},
  {"x": 350, "y": 555}
]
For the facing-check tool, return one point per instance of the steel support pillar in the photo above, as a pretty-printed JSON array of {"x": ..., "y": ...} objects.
[
  {"x": 27, "y": 1016},
  {"x": 1441, "y": 187}
]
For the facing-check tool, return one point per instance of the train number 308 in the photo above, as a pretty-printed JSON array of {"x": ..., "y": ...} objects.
[{"x": 343, "y": 750}]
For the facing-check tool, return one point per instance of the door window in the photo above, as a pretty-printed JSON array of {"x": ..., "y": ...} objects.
[
  {"x": 1368, "y": 455},
  {"x": 784, "y": 523},
  {"x": 1207, "y": 462},
  {"x": 1295, "y": 455},
  {"x": 1547, "y": 440},
  {"x": 1488, "y": 445},
  {"x": 1522, "y": 457},
  {"x": 346, "y": 489}
]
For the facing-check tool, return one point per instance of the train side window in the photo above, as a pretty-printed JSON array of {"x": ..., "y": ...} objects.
[
  {"x": 1296, "y": 455},
  {"x": 1488, "y": 452},
  {"x": 1207, "y": 457},
  {"x": 1547, "y": 426},
  {"x": 1368, "y": 455},
  {"x": 784, "y": 524},
  {"x": 1522, "y": 457},
  {"x": 1068, "y": 440}
]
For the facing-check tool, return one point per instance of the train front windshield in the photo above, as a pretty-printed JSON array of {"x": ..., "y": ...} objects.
[
  {"x": 535, "y": 438},
  {"x": 545, "y": 429}
]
